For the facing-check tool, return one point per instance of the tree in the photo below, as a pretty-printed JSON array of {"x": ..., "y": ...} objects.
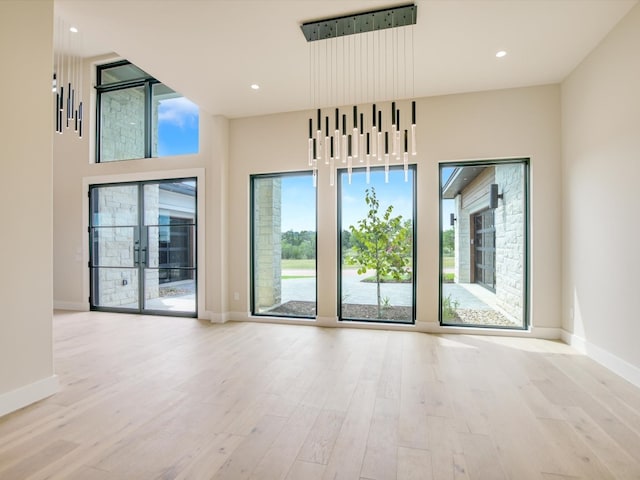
[
  {"x": 382, "y": 243},
  {"x": 296, "y": 245},
  {"x": 448, "y": 242}
]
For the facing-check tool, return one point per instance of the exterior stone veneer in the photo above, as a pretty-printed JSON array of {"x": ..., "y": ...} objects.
[
  {"x": 118, "y": 208},
  {"x": 510, "y": 239},
  {"x": 267, "y": 202},
  {"x": 510, "y": 235},
  {"x": 122, "y": 124}
]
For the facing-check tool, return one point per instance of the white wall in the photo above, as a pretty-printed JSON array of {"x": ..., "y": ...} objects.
[
  {"x": 601, "y": 166},
  {"x": 26, "y": 358},
  {"x": 74, "y": 170},
  {"x": 508, "y": 123}
]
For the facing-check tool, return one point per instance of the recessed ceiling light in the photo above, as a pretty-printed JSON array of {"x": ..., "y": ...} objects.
[
  {"x": 255, "y": 86},
  {"x": 73, "y": 30},
  {"x": 501, "y": 53}
]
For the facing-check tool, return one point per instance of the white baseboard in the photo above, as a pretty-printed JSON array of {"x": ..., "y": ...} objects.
[
  {"x": 214, "y": 317},
  {"x": 23, "y": 396},
  {"x": 238, "y": 316},
  {"x": 327, "y": 321},
  {"x": 78, "y": 307},
  {"x": 547, "y": 333},
  {"x": 605, "y": 358}
]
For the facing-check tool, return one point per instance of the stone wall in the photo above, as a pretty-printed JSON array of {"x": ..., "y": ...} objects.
[
  {"x": 122, "y": 124},
  {"x": 510, "y": 239},
  {"x": 267, "y": 242},
  {"x": 474, "y": 199},
  {"x": 118, "y": 211},
  {"x": 510, "y": 235}
]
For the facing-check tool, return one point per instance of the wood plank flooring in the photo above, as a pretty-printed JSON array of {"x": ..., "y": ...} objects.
[{"x": 172, "y": 398}]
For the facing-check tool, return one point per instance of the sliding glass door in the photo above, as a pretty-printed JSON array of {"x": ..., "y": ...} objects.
[{"x": 143, "y": 247}]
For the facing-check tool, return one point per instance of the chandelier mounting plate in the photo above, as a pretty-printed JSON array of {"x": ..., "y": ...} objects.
[{"x": 369, "y": 21}]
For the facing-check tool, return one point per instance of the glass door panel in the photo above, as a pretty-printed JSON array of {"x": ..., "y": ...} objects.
[
  {"x": 143, "y": 247},
  {"x": 114, "y": 244},
  {"x": 169, "y": 246}
]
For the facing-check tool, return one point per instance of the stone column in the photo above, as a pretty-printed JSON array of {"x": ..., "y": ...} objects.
[{"x": 267, "y": 247}]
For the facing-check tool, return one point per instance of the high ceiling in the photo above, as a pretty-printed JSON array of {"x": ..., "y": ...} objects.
[{"x": 213, "y": 50}]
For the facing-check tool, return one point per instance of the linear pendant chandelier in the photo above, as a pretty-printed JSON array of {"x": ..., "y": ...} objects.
[
  {"x": 67, "y": 78},
  {"x": 360, "y": 59}
]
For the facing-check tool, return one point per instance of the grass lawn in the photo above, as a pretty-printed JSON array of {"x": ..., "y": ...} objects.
[
  {"x": 295, "y": 264},
  {"x": 448, "y": 262},
  {"x": 388, "y": 279}
]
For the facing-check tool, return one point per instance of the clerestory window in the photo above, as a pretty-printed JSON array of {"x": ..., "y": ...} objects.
[{"x": 139, "y": 117}]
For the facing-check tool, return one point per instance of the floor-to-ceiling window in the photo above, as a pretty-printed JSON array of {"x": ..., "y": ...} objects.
[
  {"x": 484, "y": 243},
  {"x": 376, "y": 225},
  {"x": 283, "y": 245},
  {"x": 143, "y": 247}
]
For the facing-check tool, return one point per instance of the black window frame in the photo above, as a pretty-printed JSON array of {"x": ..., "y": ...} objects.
[
  {"x": 93, "y": 247},
  {"x": 341, "y": 173},
  {"x": 146, "y": 82},
  {"x": 252, "y": 247},
  {"x": 526, "y": 163}
]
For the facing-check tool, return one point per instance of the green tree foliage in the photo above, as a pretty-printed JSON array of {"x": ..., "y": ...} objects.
[
  {"x": 298, "y": 245},
  {"x": 382, "y": 243},
  {"x": 448, "y": 242}
]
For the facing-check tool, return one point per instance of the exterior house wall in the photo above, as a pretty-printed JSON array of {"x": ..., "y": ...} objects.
[
  {"x": 122, "y": 130},
  {"x": 509, "y": 233},
  {"x": 268, "y": 247},
  {"x": 510, "y": 239},
  {"x": 472, "y": 199},
  {"x": 460, "y": 244},
  {"x": 119, "y": 206}
]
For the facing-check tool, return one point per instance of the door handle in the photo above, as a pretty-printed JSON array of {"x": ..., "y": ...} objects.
[
  {"x": 144, "y": 257},
  {"x": 136, "y": 253}
]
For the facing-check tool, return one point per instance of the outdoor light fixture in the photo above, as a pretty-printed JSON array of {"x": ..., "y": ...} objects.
[
  {"x": 362, "y": 59},
  {"x": 67, "y": 78},
  {"x": 452, "y": 219},
  {"x": 494, "y": 196}
]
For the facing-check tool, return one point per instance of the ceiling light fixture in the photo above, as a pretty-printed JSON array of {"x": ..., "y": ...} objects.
[
  {"x": 255, "y": 86},
  {"x": 68, "y": 77},
  {"x": 501, "y": 54},
  {"x": 345, "y": 68}
]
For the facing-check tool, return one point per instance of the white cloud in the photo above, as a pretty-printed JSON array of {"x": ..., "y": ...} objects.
[{"x": 178, "y": 111}]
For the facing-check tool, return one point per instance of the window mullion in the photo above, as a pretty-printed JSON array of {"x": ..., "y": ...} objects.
[{"x": 148, "y": 136}]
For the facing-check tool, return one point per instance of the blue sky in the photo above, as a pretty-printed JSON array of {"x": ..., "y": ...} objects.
[
  {"x": 298, "y": 203},
  {"x": 299, "y": 197},
  {"x": 397, "y": 193},
  {"x": 448, "y": 206},
  {"x": 177, "y": 127}
]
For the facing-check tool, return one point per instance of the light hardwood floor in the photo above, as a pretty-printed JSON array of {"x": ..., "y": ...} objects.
[{"x": 164, "y": 398}]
